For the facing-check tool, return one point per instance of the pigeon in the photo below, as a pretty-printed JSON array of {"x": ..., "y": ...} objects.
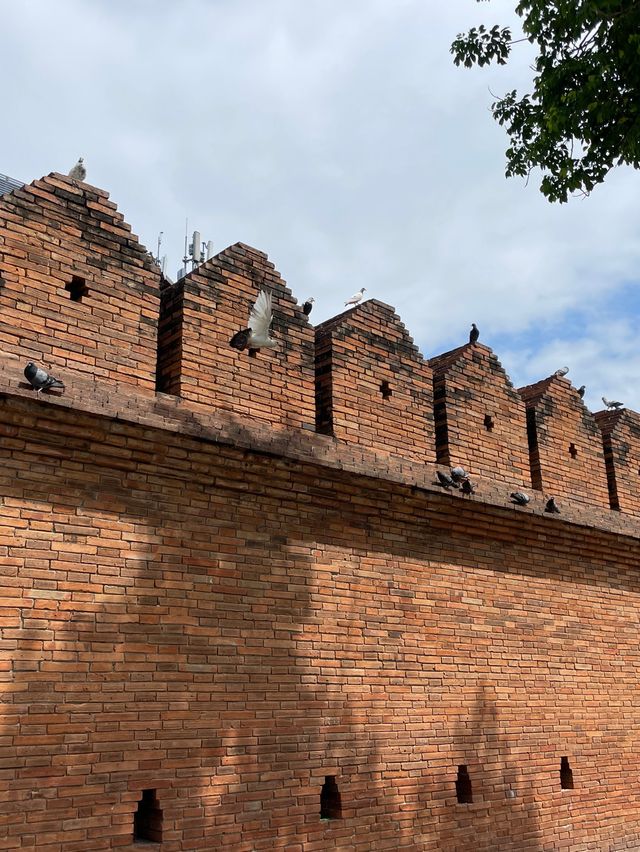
[
  {"x": 355, "y": 298},
  {"x": 459, "y": 474},
  {"x": 308, "y": 306},
  {"x": 256, "y": 335},
  {"x": 78, "y": 172},
  {"x": 467, "y": 488},
  {"x": 581, "y": 391},
  {"x": 445, "y": 480},
  {"x": 520, "y": 498},
  {"x": 39, "y": 379},
  {"x": 552, "y": 506},
  {"x": 611, "y": 404},
  {"x": 561, "y": 372},
  {"x": 474, "y": 334}
]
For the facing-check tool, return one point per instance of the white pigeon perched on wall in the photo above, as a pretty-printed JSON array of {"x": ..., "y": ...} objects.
[
  {"x": 561, "y": 372},
  {"x": 356, "y": 297},
  {"x": 612, "y": 404},
  {"x": 256, "y": 335},
  {"x": 78, "y": 172}
]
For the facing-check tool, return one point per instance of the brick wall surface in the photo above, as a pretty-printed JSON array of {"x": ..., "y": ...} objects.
[
  {"x": 621, "y": 442},
  {"x": 480, "y": 418},
  {"x": 50, "y": 231},
  {"x": 228, "y": 629},
  {"x": 565, "y": 443},
  {"x": 200, "y": 314},
  {"x": 373, "y": 387}
]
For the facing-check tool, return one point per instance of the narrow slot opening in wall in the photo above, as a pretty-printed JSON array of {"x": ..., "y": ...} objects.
[
  {"x": 76, "y": 288},
  {"x": 566, "y": 774},
  {"x": 385, "y": 389},
  {"x": 147, "y": 820},
  {"x": 330, "y": 802},
  {"x": 573, "y": 451},
  {"x": 463, "y": 786},
  {"x": 488, "y": 423}
]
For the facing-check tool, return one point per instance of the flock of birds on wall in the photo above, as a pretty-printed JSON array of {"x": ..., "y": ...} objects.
[{"x": 258, "y": 335}]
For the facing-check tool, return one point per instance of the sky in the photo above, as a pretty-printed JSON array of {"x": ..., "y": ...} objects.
[{"x": 338, "y": 137}]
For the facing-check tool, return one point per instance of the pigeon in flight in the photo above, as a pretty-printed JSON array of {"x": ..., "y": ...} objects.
[
  {"x": 581, "y": 391},
  {"x": 561, "y": 372},
  {"x": 520, "y": 498},
  {"x": 611, "y": 404},
  {"x": 356, "y": 297},
  {"x": 459, "y": 474},
  {"x": 308, "y": 306},
  {"x": 552, "y": 506},
  {"x": 445, "y": 480},
  {"x": 78, "y": 172},
  {"x": 467, "y": 488},
  {"x": 256, "y": 335},
  {"x": 39, "y": 379},
  {"x": 474, "y": 334}
]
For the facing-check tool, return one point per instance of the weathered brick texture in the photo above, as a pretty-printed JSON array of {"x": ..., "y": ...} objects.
[
  {"x": 565, "y": 443},
  {"x": 373, "y": 387},
  {"x": 621, "y": 443},
  {"x": 202, "y": 311},
  {"x": 53, "y": 231},
  {"x": 480, "y": 418}
]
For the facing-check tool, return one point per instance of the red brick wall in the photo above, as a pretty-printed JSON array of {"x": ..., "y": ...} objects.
[
  {"x": 229, "y": 629},
  {"x": 358, "y": 351},
  {"x": 50, "y": 231},
  {"x": 200, "y": 314},
  {"x": 480, "y": 418},
  {"x": 567, "y": 459},
  {"x": 621, "y": 442}
]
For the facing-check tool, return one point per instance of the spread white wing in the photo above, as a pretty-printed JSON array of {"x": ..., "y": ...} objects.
[{"x": 261, "y": 316}]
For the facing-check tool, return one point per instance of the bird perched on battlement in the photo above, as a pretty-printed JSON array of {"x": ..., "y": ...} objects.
[
  {"x": 458, "y": 474},
  {"x": 308, "y": 306},
  {"x": 445, "y": 480},
  {"x": 467, "y": 488},
  {"x": 551, "y": 506},
  {"x": 78, "y": 172},
  {"x": 256, "y": 335},
  {"x": 612, "y": 404},
  {"x": 581, "y": 391},
  {"x": 520, "y": 498},
  {"x": 474, "y": 334},
  {"x": 357, "y": 297},
  {"x": 39, "y": 379},
  {"x": 561, "y": 372}
]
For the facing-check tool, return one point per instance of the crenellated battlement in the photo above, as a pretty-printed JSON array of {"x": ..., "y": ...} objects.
[{"x": 80, "y": 295}]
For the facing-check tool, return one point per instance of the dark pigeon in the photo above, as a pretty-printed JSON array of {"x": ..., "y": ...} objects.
[
  {"x": 39, "y": 379},
  {"x": 467, "y": 488},
  {"x": 445, "y": 480},
  {"x": 474, "y": 334},
  {"x": 581, "y": 391},
  {"x": 520, "y": 498},
  {"x": 308, "y": 306},
  {"x": 552, "y": 506},
  {"x": 611, "y": 404}
]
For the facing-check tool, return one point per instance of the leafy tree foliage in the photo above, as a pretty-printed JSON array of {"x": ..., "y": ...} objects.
[{"x": 583, "y": 114}]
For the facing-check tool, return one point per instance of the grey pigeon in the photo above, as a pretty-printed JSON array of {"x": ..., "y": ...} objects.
[
  {"x": 308, "y": 306},
  {"x": 256, "y": 335},
  {"x": 552, "y": 506},
  {"x": 458, "y": 474},
  {"x": 445, "y": 480},
  {"x": 581, "y": 391},
  {"x": 467, "y": 488},
  {"x": 520, "y": 498},
  {"x": 474, "y": 334},
  {"x": 39, "y": 379},
  {"x": 78, "y": 172},
  {"x": 356, "y": 297},
  {"x": 561, "y": 372},
  {"x": 612, "y": 404}
]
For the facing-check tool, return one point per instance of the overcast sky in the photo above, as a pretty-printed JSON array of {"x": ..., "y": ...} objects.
[{"x": 337, "y": 136}]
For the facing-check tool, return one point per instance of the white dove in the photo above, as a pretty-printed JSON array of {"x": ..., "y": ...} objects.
[
  {"x": 256, "y": 335},
  {"x": 356, "y": 297},
  {"x": 78, "y": 172},
  {"x": 612, "y": 404}
]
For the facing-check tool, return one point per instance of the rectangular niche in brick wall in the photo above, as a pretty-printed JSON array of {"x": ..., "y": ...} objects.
[{"x": 147, "y": 821}]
